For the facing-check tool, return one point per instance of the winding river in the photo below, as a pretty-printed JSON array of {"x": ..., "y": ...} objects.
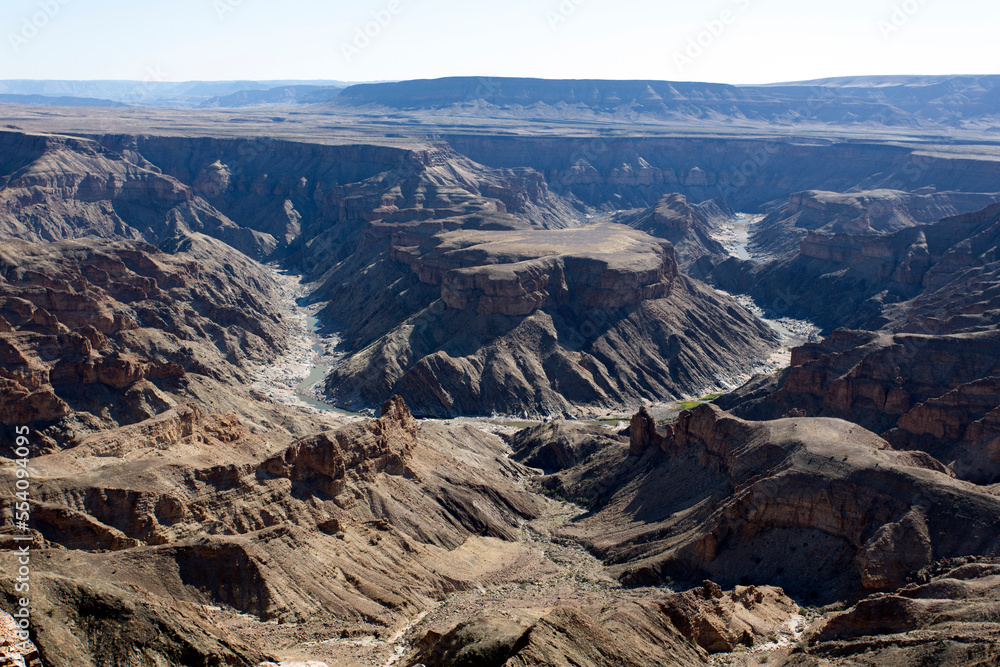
[{"x": 317, "y": 373}]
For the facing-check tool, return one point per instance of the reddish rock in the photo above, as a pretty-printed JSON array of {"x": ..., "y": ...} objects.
[
  {"x": 16, "y": 650},
  {"x": 365, "y": 449},
  {"x": 642, "y": 433}
]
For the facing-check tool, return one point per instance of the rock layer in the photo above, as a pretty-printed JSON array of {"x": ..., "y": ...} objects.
[
  {"x": 771, "y": 501},
  {"x": 530, "y": 321},
  {"x": 96, "y": 332},
  {"x": 688, "y": 227},
  {"x": 868, "y": 213},
  {"x": 930, "y": 393}
]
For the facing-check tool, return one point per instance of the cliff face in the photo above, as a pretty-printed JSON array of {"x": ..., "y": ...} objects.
[
  {"x": 519, "y": 272},
  {"x": 867, "y": 214},
  {"x": 775, "y": 502},
  {"x": 100, "y": 328},
  {"x": 936, "y": 278},
  {"x": 924, "y": 379},
  {"x": 364, "y": 450},
  {"x": 687, "y": 227},
  {"x": 525, "y": 320},
  {"x": 267, "y": 198},
  {"x": 921, "y": 392},
  {"x": 320, "y": 197},
  {"x": 57, "y": 187},
  {"x": 745, "y": 173}
]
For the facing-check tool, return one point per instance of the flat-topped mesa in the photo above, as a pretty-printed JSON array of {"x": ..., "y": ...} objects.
[
  {"x": 518, "y": 272},
  {"x": 905, "y": 256}
]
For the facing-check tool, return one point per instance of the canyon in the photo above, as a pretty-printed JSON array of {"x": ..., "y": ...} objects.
[{"x": 570, "y": 428}]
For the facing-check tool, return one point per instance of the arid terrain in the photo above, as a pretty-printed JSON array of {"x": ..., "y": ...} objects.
[{"x": 502, "y": 372}]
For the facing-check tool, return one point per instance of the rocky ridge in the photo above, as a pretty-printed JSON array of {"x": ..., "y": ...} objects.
[
  {"x": 58, "y": 187},
  {"x": 688, "y": 227},
  {"x": 771, "y": 501},
  {"x": 89, "y": 325},
  {"x": 189, "y": 511},
  {"x": 936, "y": 278},
  {"x": 528, "y": 321},
  {"x": 866, "y": 213}
]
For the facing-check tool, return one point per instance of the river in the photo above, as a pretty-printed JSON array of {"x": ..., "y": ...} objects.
[
  {"x": 734, "y": 235},
  {"x": 306, "y": 390},
  {"x": 292, "y": 378}
]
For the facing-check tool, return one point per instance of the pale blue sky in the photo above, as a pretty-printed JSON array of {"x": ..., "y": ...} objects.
[{"x": 757, "y": 41}]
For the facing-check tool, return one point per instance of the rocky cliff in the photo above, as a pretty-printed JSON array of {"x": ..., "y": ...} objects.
[
  {"x": 774, "y": 502},
  {"x": 866, "y": 213},
  {"x": 921, "y": 392},
  {"x": 526, "y": 320},
  {"x": 56, "y": 187},
  {"x": 942, "y": 616},
  {"x": 746, "y": 173},
  {"x": 923, "y": 376},
  {"x": 97, "y": 333},
  {"x": 265, "y": 197},
  {"x": 687, "y": 227},
  {"x": 320, "y": 196},
  {"x": 936, "y": 278},
  {"x": 191, "y": 510}
]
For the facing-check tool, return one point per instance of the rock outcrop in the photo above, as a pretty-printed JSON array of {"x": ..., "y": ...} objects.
[
  {"x": 627, "y": 634},
  {"x": 473, "y": 321},
  {"x": 770, "y": 502},
  {"x": 15, "y": 649},
  {"x": 364, "y": 450},
  {"x": 664, "y": 629},
  {"x": 519, "y": 272},
  {"x": 57, "y": 187},
  {"x": 721, "y": 622},
  {"x": 688, "y": 227},
  {"x": 192, "y": 509},
  {"x": 559, "y": 444},
  {"x": 89, "y": 620},
  {"x": 643, "y": 433},
  {"x": 936, "y": 278},
  {"x": 870, "y": 213},
  {"x": 106, "y": 327},
  {"x": 936, "y": 394},
  {"x": 945, "y": 617}
]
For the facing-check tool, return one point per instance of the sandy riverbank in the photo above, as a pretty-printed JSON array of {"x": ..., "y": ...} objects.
[{"x": 292, "y": 378}]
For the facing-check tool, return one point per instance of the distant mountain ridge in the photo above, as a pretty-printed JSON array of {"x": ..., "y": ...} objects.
[
  {"x": 915, "y": 101},
  {"x": 62, "y": 101},
  {"x": 162, "y": 94},
  {"x": 919, "y": 102},
  {"x": 295, "y": 94}
]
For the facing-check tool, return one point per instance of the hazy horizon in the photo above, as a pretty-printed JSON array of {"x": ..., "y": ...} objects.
[
  {"x": 298, "y": 81},
  {"x": 739, "y": 42}
]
